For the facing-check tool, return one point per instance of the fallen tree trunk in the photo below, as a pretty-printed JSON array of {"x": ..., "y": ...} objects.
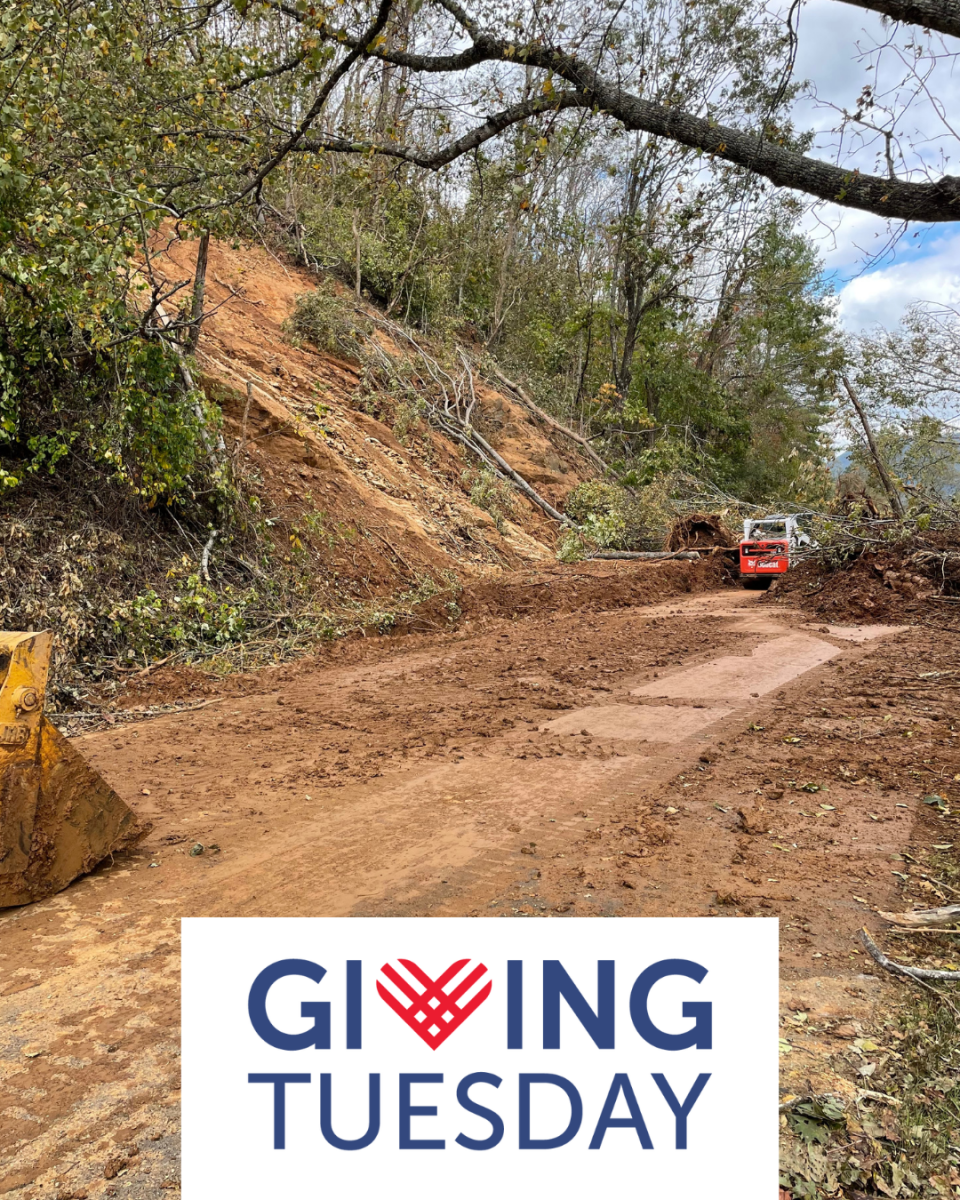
[
  {"x": 516, "y": 477},
  {"x": 889, "y": 487},
  {"x": 451, "y": 421},
  {"x": 645, "y": 554},
  {"x": 924, "y": 918},
  {"x": 548, "y": 420}
]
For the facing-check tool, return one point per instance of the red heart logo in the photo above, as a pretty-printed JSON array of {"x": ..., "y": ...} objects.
[{"x": 433, "y": 1014}]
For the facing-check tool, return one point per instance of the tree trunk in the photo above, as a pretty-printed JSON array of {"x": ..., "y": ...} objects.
[
  {"x": 888, "y": 485},
  {"x": 931, "y": 14},
  {"x": 624, "y": 371},
  {"x": 356, "y": 238},
  {"x": 199, "y": 287}
]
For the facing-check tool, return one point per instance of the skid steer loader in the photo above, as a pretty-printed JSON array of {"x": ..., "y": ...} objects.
[
  {"x": 767, "y": 546},
  {"x": 58, "y": 816}
]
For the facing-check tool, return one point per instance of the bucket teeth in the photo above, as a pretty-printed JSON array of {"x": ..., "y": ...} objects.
[{"x": 58, "y": 816}]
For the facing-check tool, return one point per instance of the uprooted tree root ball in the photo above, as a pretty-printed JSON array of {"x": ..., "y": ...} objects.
[{"x": 700, "y": 531}]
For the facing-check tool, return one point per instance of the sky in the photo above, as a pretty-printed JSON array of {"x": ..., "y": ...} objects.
[{"x": 876, "y": 280}]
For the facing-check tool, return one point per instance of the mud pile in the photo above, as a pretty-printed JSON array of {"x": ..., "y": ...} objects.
[
  {"x": 896, "y": 583},
  {"x": 584, "y": 587}
]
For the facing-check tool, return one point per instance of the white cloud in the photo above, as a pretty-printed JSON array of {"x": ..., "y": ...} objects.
[
  {"x": 882, "y": 296},
  {"x": 845, "y": 237},
  {"x": 841, "y": 48},
  {"x": 876, "y": 281}
]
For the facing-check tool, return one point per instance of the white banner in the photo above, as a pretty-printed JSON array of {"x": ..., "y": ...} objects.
[{"x": 473, "y": 1059}]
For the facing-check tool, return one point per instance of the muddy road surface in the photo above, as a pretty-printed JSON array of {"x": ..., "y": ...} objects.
[{"x": 713, "y": 755}]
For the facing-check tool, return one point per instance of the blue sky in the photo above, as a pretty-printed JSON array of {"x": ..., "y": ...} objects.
[{"x": 874, "y": 280}]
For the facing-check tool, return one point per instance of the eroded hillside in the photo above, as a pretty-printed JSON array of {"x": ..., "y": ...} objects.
[
  {"x": 330, "y": 445},
  {"x": 348, "y": 507}
]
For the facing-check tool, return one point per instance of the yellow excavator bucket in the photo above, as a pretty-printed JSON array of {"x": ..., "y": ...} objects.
[{"x": 58, "y": 816}]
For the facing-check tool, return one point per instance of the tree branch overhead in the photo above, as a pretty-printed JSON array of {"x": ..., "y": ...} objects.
[{"x": 756, "y": 151}]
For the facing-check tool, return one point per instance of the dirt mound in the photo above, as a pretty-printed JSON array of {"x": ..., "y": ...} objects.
[
  {"x": 560, "y": 588},
  {"x": 587, "y": 586},
  {"x": 896, "y": 583},
  {"x": 700, "y": 531}
]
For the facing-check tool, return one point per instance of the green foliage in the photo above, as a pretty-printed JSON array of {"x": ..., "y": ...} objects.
[
  {"x": 586, "y": 258},
  {"x": 600, "y": 509},
  {"x": 735, "y": 388},
  {"x": 408, "y": 418},
  {"x": 84, "y": 184},
  {"x": 330, "y": 322},
  {"x": 194, "y": 617},
  {"x": 742, "y": 400},
  {"x": 361, "y": 222},
  {"x": 908, "y": 381},
  {"x": 125, "y": 414},
  {"x": 593, "y": 498},
  {"x": 611, "y": 517},
  {"x": 491, "y": 493},
  {"x": 570, "y": 548}
]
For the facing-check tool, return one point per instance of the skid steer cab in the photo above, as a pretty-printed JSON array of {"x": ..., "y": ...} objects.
[
  {"x": 58, "y": 817},
  {"x": 766, "y": 547}
]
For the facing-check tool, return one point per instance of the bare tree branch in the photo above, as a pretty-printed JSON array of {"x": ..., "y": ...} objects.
[
  {"x": 754, "y": 150},
  {"x": 888, "y": 485},
  {"x": 360, "y": 48},
  {"x": 492, "y": 126},
  {"x": 896, "y": 968}
]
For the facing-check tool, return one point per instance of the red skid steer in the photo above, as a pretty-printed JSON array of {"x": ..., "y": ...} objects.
[{"x": 766, "y": 547}]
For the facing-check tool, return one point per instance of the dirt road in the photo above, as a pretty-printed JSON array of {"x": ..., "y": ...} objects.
[{"x": 712, "y": 755}]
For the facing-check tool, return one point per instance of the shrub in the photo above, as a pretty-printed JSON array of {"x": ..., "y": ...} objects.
[
  {"x": 602, "y": 510},
  {"x": 491, "y": 493},
  {"x": 571, "y": 548},
  {"x": 408, "y": 417},
  {"x": 329, "y": 322}
]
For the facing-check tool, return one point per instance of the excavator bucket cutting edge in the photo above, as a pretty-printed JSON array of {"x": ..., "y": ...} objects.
[{"x": 58, "y": 816}]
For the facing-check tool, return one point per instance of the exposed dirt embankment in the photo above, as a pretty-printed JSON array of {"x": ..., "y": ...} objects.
[
  {"x": 352, "y": 507},
  {"x": 358, "y": 468}
]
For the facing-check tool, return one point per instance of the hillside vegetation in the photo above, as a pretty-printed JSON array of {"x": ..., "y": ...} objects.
[{"x": 288, "y": 343}]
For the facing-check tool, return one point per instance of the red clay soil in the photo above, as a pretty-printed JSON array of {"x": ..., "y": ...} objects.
[
  {"x": 903, "y": 584},
  {"x": 553, "y": 588},
  {"x": 634, "y": 760},
  {"x": 317, "y": 444}
]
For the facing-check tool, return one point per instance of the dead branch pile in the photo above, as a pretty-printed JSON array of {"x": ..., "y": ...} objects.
[{"x": 870, "y": 568}]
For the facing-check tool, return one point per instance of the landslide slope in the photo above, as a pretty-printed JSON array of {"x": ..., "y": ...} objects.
[{"x": 380, "y": 497}]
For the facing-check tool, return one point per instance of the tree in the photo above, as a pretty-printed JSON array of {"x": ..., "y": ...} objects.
[
  {"x": 580, "y": 63},
  {"x": 905, "y": 387},
  {"x": 602, "y": 238},
  {"x": 744, "y": 383}
]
